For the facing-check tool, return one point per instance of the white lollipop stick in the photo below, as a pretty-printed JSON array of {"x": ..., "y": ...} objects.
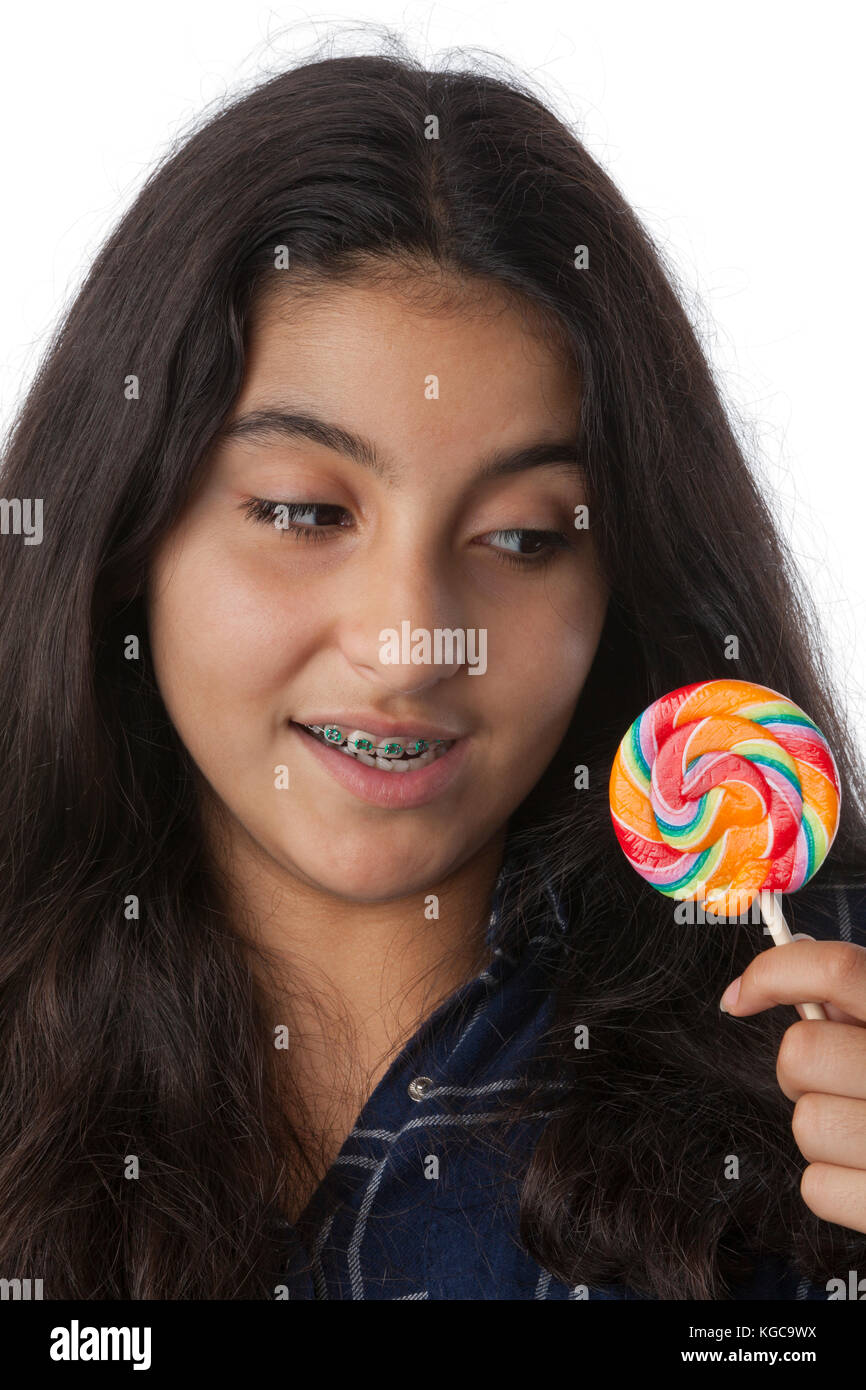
[{"x": 778, "y": 929}]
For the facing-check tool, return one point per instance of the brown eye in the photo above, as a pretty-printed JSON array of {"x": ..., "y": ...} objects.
[
  {"x": 537, "y": 548},
  {"x": 304, "y": 520}
]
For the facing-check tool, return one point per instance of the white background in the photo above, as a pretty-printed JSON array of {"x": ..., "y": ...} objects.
[{"x": 735, "y": 130}]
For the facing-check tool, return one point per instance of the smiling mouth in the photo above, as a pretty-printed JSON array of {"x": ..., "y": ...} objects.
[{"x": 388, "y": 755}]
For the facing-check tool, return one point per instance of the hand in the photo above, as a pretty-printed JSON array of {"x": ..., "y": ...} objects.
[{"x": 821, "y": 1064}]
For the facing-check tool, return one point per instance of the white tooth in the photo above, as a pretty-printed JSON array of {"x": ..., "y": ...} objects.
[
  {"x": 424, "y": 759},
  {"x": 386, "y": 764},
  {"x": 400, "y": 766},
  {"x": 360, "y": 733},
  {"x": 380, "y": 748},
  {"x": 359, "y": 755}
]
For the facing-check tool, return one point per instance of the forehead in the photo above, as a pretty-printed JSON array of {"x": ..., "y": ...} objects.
[{"x": 473, "y": 347}]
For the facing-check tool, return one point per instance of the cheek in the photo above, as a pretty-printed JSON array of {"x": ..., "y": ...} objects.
[
  {"x": 224, "y": 640},
  {"x": 547, "y": 646}
]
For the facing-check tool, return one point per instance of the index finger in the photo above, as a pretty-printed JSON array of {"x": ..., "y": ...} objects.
[{"x": 831, "y": 972}]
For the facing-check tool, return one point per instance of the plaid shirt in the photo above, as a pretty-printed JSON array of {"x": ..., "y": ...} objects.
[{"x": 422, "y": 1201}]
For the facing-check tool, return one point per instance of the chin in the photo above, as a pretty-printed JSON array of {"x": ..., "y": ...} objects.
[
  {"x": 375, "y": 876},
  {"x": 380, "y": 888}
]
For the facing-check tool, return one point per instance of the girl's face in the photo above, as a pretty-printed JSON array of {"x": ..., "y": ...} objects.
[{"x": 394, "y": 435}]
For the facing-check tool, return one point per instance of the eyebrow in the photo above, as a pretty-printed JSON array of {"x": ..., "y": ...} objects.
[{"x": 272, "y": 423}]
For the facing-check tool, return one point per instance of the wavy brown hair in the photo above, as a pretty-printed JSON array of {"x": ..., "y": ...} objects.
[{"x": 146, "y": 1034}]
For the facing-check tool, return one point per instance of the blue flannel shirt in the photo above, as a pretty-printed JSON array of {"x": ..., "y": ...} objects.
[{"x": 422, "y": 1200}]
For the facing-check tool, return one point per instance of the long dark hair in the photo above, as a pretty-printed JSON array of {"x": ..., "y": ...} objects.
[{"x": 131, "y": 1024}]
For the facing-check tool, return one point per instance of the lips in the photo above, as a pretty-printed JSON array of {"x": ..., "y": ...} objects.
[{"x": 396, "y": 782}]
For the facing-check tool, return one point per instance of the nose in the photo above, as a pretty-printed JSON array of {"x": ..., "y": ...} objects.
[{"x": 392, "y": 614}]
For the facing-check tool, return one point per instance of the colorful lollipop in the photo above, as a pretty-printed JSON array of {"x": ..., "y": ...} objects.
[{"x": 722, "y": 792}]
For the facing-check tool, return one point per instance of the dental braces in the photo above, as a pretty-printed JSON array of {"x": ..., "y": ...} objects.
[{"x": 335, "y": 735}]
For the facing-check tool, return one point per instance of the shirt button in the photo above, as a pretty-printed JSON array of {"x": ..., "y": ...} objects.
[{"x": 419, "y": 1087}]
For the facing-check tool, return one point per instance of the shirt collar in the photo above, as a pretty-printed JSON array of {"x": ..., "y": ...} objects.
[{"x": 542, "y": 910}]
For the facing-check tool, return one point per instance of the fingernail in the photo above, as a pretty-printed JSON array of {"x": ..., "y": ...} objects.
[{"x": 731, "y": 995}]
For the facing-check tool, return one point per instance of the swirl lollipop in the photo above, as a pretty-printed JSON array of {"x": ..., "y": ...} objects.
[{"x": 722, "y": 792}]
